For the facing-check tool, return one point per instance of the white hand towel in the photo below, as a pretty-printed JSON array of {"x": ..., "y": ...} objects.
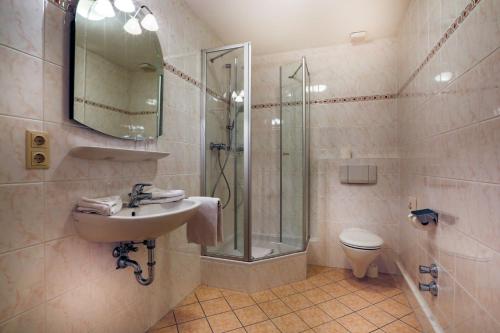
[
  {"x": 205, "y": 226},
  {"x": 103, "y": 206},
  {"x": 162, "y": 200},
  {"x": 157, "y": 193}
]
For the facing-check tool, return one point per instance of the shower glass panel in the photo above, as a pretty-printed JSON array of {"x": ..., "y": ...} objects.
[
  {"x": 225, "y": 109},
  {"x": 292, "y": 157},
  {"x": 274, "y": 221}
]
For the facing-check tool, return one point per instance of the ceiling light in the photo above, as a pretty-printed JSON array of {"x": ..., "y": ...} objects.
[
  {"x": 86, "y": 9},
  {"x": 132, "y": 26},
  {"x": 149, "y": 22},
  {"x": 104, "y": 8},
  {"x": 126, "y": 6},
  {"x": 443, "y": 77}
]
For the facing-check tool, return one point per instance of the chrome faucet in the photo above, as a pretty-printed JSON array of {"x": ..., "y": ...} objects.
[{"x": 137, "y": 195}]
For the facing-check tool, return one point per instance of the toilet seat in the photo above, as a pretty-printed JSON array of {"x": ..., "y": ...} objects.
[{"x": 360, "y": 239}]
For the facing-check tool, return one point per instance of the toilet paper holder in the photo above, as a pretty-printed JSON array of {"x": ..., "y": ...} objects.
[{"x": 424, "y": 216}]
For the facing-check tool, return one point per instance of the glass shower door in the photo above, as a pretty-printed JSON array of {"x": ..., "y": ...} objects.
[
  {"x": 294, "y": 141},
  {"x": 225, "y": 147}
]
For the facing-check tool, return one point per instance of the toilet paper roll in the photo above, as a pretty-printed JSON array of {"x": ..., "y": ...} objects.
[{"x": 415, "y": 222}]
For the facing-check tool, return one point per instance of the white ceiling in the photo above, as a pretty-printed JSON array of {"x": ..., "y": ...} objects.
[{"x": 285, "y": 25}]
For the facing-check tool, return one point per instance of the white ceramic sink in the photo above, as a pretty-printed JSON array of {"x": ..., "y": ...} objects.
[{"x": 135, "y": 224}]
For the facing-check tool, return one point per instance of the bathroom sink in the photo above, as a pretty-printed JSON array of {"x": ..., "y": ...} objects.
[{"x": 135, "y": 224}]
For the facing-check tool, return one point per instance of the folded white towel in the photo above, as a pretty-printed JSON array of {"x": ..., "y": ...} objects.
[
  {"x": 162, "y": 200},
  {"x": 205, "y": 226},
  {"x": 103, "y": 206},
  {"x": 157, "y": 193}
]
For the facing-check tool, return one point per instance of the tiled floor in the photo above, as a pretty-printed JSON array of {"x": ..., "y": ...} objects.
[{"x": 330, "y": 300}]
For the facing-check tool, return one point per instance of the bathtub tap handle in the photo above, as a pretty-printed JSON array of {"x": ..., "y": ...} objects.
[
  {"x": 431, "y": 287},
  {"x": 432, "y": 270}
]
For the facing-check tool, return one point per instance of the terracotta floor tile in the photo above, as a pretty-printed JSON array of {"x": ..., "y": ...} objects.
[
  {"x": 353, "y": 301},
  {"x": 230, "y": 292},
  {"x": 354, "y": 284},
  {"x": 283, "y": 291},
  {"x": 394, "y": 308},
  {"x": 169, "y": 329},
  {"x": 336, "y": 275},
  {"x": 335, "y": 309},
  {"x": 224, "y": 322},
  {"x": 195, "y": 326},
  {"x": 190, "y": 299},
  {"x": 297, "y": 302},
  {"x": 370, "y": 295},
  {"x": 412, "y": 320},
  {"x": 335, "y": 290},
  {"x": 387, "y": 290},
  {"x": 167, "y": 320},
  {"x": 238, "y": 330},
  {"x": 250, "y": 315},
  {"x": 330, "y": 327},
  {"x": 317, "y": 295},
  {"x": 319, "y": 280},
  {"x": 264, "y": 327},
  {"x": 376, "y": 316},
  {"x": 401, "y": 298},
  {"x": 315, "y": 270},
  {"x": 303, "y": 285},
  {"x": 399, "y": 327},
  {"x": 274, "y": 308},
  {"x": 263, "y": 296},
  {"x": 290, "y": 323},
  {"x": 313, "y": 316},
  {"x": 238, "y": 301},
  {"x": 204, "y": 293},
  {"x": 188, "y": 312},
  {"x": 215, "y": 306},
  {"x": 356, "y": 324}
]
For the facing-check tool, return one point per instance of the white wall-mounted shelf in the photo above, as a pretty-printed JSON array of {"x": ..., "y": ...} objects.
[{"x": 116, "y": 154}]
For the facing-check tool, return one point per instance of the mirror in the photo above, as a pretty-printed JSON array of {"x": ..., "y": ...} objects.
[{"x": 117, "y": 69}]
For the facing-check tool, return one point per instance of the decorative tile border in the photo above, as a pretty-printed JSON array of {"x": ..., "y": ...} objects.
[
  {"x": 449, "y": 32},
  {"x": 334, "y": 100},
  {"x": 112, "y": 108}
]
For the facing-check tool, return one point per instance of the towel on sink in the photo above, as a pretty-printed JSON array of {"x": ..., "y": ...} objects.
[
  {"x": 162, "y": 200},
  {"x": 157, "y": 193},
  {"x": 104, "y": 206},
  {"x": 205, "y": 226}
]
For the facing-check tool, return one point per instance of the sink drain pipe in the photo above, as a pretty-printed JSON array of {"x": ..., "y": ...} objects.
[{"x": 123, "y": 261}]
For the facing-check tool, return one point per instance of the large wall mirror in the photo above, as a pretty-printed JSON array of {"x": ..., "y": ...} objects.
[{"x": 117, "y": 69}]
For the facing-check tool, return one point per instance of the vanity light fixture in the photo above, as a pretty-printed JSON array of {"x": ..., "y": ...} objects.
[
  {"x": 126, "y": 6},
  {"x": 86, "y": 9},
  {"x": 149, "y": 21},
  {"x": 104, "y": 8}
]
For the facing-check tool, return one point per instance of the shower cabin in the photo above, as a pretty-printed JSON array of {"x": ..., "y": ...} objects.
[{"x": 256, "y": 160}]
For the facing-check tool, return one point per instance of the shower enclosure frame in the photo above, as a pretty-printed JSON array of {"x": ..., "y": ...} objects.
[
  {"x": 247, "y": 142},
  {"x": 247, "y": 156}
]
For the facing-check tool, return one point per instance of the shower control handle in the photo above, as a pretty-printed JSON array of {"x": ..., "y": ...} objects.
[
  {"x": 432, "y": 270},
  {"x": 431, "y": 287}
]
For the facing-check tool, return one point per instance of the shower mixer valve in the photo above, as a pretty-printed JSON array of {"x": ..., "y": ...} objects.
[{"x": 217, "y": 146}]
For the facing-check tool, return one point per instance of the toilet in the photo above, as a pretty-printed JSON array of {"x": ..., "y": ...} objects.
[{"x": 361, "y": 248}]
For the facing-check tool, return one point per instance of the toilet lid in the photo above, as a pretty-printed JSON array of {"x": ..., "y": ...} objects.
[{"x": 361, "y": 238}]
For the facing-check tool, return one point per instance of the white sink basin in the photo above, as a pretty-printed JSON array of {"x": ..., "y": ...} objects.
[{"x": 135, "y": 224}]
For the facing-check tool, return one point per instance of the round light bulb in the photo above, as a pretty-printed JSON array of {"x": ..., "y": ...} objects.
[
  {"x": 149, "y": 22},
  {"x": 86, "y": 9},
  {"x": 133, "y": 27},
  {"x": 104, "y": 8},
  {"x": 126, "y": 6}
]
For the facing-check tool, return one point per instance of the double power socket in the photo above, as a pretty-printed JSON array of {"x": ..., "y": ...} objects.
[{"x": 37, "y": 150}]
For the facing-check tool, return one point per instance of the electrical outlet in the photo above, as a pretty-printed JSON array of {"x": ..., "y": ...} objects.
[{"x": 37, "y": 150}]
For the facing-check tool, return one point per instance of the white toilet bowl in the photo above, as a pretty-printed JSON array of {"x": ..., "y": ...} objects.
[{"x": 361, "y": 248}]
